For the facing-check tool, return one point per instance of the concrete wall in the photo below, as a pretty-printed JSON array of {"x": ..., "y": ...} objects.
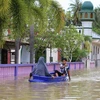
[
  {"x": 96, "y": 54},
  {"x": 87, "y": 25},
  {"x": 54, "y": 55},
  {"x": 13, "y": 70},
  {"x": 96, "y": 51},
  {"x": 25, "y": 55},
  {"x": 0, "y": 56}
]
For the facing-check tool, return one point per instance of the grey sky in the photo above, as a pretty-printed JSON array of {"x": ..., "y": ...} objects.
[{"x": 65, "y": 3}]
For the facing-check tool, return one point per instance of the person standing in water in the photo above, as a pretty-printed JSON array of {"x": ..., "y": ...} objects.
[
  {"x": 64, "y": 69},
  {"x": 40, "y": 69}
]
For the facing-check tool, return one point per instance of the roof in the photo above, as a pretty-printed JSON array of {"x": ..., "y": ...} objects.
[
  {"x": 95, "y": 35},
  {"x": 87, "y": 6},
  {"x": 96, "y": 42},
  {"x": 23, "y": 42}
]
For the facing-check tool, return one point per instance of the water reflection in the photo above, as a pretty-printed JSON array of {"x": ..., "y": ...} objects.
[{"x": 85, "y": 85}]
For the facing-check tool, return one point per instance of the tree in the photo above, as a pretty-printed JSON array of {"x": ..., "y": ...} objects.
[
  {"x": 30, "y": 13},
  {"x": 3, "y": 19},
  {"x": 56, "y": 17},
  {"x": 44, "y": 41},
  {"x": 75, "y": 7},
  {"x": 68, "y": 18},
  {"x": 13, "y": 13},
  {"x": 18, "y": 15},
  {"x": 53, "y": 23},
  {"x": 22, "y": 13},
  {"x": 35, "y": 10},
  {"x": 87, "y": 43},
  {"x": 96, "y": 23},
  {"x": 51, "y": 18},
  {"x": 70, "y": 40},
  {"x": 56, "y": 21},
  {"x": 78, "y": 54}
]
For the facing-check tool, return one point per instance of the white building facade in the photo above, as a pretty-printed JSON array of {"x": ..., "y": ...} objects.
[{"x": 87, "y": 17}]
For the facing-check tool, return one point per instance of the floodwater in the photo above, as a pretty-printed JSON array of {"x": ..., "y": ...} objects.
[{"x": 84, "y": 85}]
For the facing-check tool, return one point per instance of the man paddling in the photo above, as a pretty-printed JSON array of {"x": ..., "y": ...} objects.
[{"x": 64, "y": 69}]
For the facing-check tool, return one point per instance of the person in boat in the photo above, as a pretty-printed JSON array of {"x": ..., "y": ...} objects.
[
  {"x": 64, "y": 69},
  {"x": 40, "y": 69}
]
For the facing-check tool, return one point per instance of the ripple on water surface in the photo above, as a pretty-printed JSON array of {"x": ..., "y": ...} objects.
[{"x": 85, "y": 85}]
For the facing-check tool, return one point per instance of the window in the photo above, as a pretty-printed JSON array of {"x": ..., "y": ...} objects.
[
  {"x": 79, "y": 31},
  {"x": 91, "y": 15},
  {"x": 86, "y": 15},
  {"x": 12, "y": 56},
  {"x": 93, "y": 50},
  {"x": 98, "y": 50}
]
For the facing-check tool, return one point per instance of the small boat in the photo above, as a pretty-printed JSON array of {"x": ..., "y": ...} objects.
[{"x": 46, "y": 79}]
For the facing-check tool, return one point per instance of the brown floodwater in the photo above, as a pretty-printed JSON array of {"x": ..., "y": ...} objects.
[{"x": 84, "y": 85}]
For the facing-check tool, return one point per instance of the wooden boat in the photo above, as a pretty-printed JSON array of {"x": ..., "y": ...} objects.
[{"x": 48, "y": 79}]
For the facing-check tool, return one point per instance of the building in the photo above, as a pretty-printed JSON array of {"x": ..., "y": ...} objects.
[
  {"x": 87, "y": 16},
  {"x": 7, "y": 53}
]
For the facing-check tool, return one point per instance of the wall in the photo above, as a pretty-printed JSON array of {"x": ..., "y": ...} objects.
[
  {"x": 9, "y": 57},
  {"x": 0, "y": 56},
  {"x": 96, "y": 54},
  {"x": 87, "y": 25},
  {"x": 54, "y": 55},
  {"x": 25, "y": 55},
  {"x": 22, "y": 70},
  {"x": 92, "y": 64}
]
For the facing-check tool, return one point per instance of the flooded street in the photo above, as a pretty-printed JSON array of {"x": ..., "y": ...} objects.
[{"x": 84, "y": 85}]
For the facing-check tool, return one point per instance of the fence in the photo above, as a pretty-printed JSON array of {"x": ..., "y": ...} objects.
[
  {"x": 92, "y": 64},
  {"x": 16, "y": 70}
]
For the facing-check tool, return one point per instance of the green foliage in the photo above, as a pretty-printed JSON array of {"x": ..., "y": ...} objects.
[
  {"x": 69, "y": 40},
  {"x": 75, "y": 7},
  {"x": 53, "y": 22},
  {"x": 48, "y": 19},
  {"x": 56, "y": 16},
  {"x": 78, "y": 54},
  {"x": 45, "y": 41},
  {"x": 87, "y": 46},
  {"x": 18, "y": 12},
  {"x": 3, "y": 18},
  {"x": 87, "y": 43},
  {"x": 96, "y": 29},
  {"x": 88, "y": 38},
  {"x": 40, "y": 52},
  {"x": 68, "y": 18},
  {"x": 96, "y": 23}
]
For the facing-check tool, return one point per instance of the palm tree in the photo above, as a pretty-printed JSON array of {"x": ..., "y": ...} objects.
[
  {"x": 75, "y": 7},
  {"x": 57, "y": 16},
  {"x": 3, "y": 18},
  {"x": 17, "y": 10},
  {"x": 21, "y": 12},
  {"x": 33, "y": 13},
  {"x": 18, "y": 15}
]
